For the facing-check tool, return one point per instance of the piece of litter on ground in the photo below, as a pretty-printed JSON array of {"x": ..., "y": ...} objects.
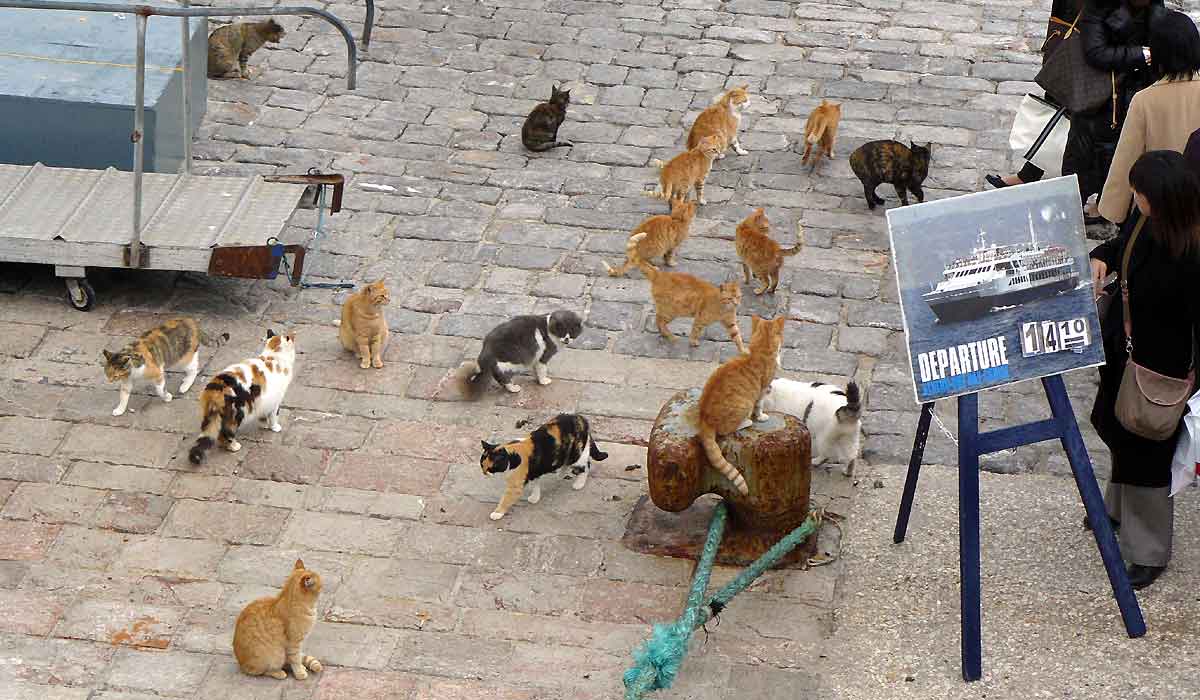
[
  {"x": 633, "y": 467},
  {"x": 372, "y": 187}
]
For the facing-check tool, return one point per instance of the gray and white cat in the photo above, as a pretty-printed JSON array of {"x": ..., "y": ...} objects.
[
  {"x": 833, "y": 417},
  {"x": 523, "y": 341}
]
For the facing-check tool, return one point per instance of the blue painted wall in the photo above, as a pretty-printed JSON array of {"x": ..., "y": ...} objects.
[{"x": 67, "y": 88}]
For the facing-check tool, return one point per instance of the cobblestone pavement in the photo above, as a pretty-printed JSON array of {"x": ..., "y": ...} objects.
[{"x": 122, "y": 567}]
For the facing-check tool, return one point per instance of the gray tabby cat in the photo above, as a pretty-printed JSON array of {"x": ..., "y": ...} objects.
[{"x": 524, "y": 341}]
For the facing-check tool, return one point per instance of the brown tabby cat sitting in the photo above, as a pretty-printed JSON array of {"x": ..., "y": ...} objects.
[
  {"x": 687, "y": 170},
  {"x": 363, "y": 327},
  {"x": 540, "y": 130},
  {"x": 230, "y": 47},
  {"x": 760, "y": 254},
  {"x": 678, "y": 294},
  {"x": 906, "y": 167},
  {"x": 734, "y": 393},
  {"x": 268, "y": 633},
  {"x": 657, "y": 235}
]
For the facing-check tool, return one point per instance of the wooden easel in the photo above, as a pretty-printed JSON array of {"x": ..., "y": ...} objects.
[{"x": 971, "y": 445}]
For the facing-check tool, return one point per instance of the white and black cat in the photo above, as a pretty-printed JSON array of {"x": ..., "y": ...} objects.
[
  {"x": 833, "y": 417},
  {"x": 523, "y": 341}
]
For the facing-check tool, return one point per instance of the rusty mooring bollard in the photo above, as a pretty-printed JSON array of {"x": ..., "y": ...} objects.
[{"x": 775, "y": 458}]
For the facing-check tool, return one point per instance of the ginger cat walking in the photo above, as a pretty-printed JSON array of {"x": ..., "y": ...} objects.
[
  {"x": 734, "y": 393},
  {"x": 269, "y": 631},
  {"x": 678, "y": 294},
  {"x": 686, "y": 171},
  {"x": 721, "y": 121},
  {"x": 657, "y": 235},
  {"x": 363, "y": 327},
  {"x": 821, "y": 130},
  {"x": 760, "y": 254}
]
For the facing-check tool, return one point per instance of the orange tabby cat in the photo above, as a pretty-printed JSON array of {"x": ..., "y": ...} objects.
[
  {"x": 734, "y": 393},
  {"x": 721, "y": 120},
  {"x": 761, "y": 254},
  {"x": 363, "y": 327},
  {"x": 687, "y": 170},
  {"x": 820, "y": 130},
  {"x": 657, "y": 235},
  {"x": 269, "y": 631},
  {"x": 678, "y": 294}
]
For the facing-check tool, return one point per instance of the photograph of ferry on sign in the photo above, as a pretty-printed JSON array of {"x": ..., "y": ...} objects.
[{"x": 995, "y": 288}]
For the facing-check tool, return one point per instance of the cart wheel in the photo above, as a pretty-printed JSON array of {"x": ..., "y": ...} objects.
[{"x": 80, "y": 294}]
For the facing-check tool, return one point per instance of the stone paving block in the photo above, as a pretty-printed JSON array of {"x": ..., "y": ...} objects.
[
  {"x": 359, "y": 684},
  {"x": 224, "y": 522},
  {"x": 120, "y": 623},
  {"x": 297, "y": 465},
  {"x": 53, "y": 503},
  {"x": 225, "y": 680},
  {"x": 22, "y": 467},
  {"x": 108, "y": 444},
  {"x": 169, "y": 673},
  {"x": 16, "y": 431},
  {"x": 119, "y": 477},
  {"x": 24, "y": 540},
  {"x": 340, "y": 533},
  {"x": 127, "y": 511},
  {"x": 450, "y": 655},
  {"x": 161, "y": 556},
  {"x": 30, "y": 612}
]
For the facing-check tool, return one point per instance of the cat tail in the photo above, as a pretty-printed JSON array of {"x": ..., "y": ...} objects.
[
  {"x": 594, "y": 451},
  {"x": 647, "y": 269},
  {"x": 631, "y": 256},
  {"x": 799, "y": 242},
  {"x": 708, "y": 439},
  {"x": 539, "y": 146},
  {"x": 213, "y": 342},
  {"x": 212, "y": 405},
  {"x": 469, "y": 379},
  {"x": 853, "y": 407}
]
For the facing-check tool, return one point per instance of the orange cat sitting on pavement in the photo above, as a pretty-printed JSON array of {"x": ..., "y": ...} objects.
[
  {"x": 721, "y": 121},
  {"x": 363, "y": 327},
  {"x": 270, "y": 630},
  {"x": 734, "y": 393}
]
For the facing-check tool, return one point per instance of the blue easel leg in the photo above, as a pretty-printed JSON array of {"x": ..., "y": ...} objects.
[
  {"x": 1093, "y": 502},
  {"x": 968, "y": 537},
  {"x": 914, "y": 471}
]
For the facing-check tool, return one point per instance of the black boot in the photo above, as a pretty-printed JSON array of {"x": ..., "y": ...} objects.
[
  {"x": 995, "y": 181},
  {"x": 1142, "y": 576}
]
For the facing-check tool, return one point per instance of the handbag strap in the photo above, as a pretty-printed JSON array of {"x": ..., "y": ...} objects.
[
  {"x": 1071, "y": 27},
  {"x": 1126, "y": 311}
]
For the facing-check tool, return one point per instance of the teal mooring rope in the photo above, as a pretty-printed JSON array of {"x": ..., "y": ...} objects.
[{"x": 657, "y": 660}]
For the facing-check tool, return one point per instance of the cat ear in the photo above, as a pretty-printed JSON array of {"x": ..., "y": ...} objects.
[
  {"x": 270, "y": 334},
  {"x": 744, "y": 87},
  {"x": 487, "y": 446},
  {"x": 299, "y": 564},
  {"x": 107, "y": 356}
]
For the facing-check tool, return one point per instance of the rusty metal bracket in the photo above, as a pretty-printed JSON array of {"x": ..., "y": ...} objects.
[
  {"x": 337, "y": 182},
  {"x": 256, "y": 261},
  {"x": 143, "y": 258}
]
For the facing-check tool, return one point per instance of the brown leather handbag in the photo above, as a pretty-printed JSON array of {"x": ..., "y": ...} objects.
[
  {"x": 1068, "y": 76},
  {"x": 1149, "y": 404}
]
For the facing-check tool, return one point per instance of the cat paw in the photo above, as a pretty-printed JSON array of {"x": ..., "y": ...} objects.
[
  {"x": 848, "y": 470},
  {"x": 512, "y": 388},
  {"x": 276, "y": 427},
  {"x": 703, "y": 201},
  {"x": 496, "y": 515},
  {"x": 118, "y": 411},
  {"x": 580, "y": 482},
  {"x": 535, "y": 497},
  {"x": 544, "y": 380},
  {"x": 741, "y": 151},
  {"x": 762, "y": 417},
  {"x": 313, "y": 665},
  {"x": 299, "y": 672},
  {"x": 278, "y": 674},
  {"x": 166, "y": 397},
  {"x": 364, "y": 363},
  {"x": 377, "y": 363},
  {"x": 744, "y": 424},
  {"x": 183, "y": 388},
  {"x": 234, "y": 446}
]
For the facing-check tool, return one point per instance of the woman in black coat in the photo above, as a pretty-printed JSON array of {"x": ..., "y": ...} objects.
[
  {"x": 1163, "y": 270},
  {"x": 1115, "y": 38}
]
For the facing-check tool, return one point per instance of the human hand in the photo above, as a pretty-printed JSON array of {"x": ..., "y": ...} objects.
[
  {"x": 1099, "y": 272},
  {"x": 1146, "y": 53}
]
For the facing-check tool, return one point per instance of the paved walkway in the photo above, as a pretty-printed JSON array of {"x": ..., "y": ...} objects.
[{"x": 122, "y": 567}]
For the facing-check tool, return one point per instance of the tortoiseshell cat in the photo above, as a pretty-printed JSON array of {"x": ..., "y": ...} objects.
[
  {"x": 522, "y": 341},
  {"x": 659, "y": 235},
  {"x": 564, "y": 441},
  {"x": 721, "y": 121},
  {"x": 760, "y": 253},
  {"x": 678, "y": 294},
  {"x": 253, "y": 388},
  {"x": 363, "y": 327},
  {"x": 687, "y": 170},
  {"x": 269, "y": 631},
  {"x": 821, "y": 130},
  {"x": 734, "y": 393},
  {"x": 173, "y": 345},
  {"x": 540, "y": 130},
  {"x": 230, "y": 47},
  {"x": 906, "y": 167}
]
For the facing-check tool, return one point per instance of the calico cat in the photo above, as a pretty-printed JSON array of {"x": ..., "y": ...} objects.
[
  {"x": 565, "y": 440},
  {"x": 253, "y": 388},
  {"x": 734, "y": 393},
  {"x": 659, "y": 235},
  {"x": 269, "y": 631},
  {"x": 686, "y": 171},
  {"x": 230, "y": 47},
  {"x": 363, "y": 327},
  {"x": 759, "y": 253},
  {"x": 540, "y": 130},
  {"x": 173, "y": 345},
  {"x": 821, "y": 130},
  {"x": 721, "y": 121},
  {"x": 833, "y": 417},
  {"x": 527, "y": 341},
  {"x": 678, "y": 294},
  {"x": 906, "y": 167}
]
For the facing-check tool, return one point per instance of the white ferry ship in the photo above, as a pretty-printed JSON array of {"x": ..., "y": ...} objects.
[{"x": 995, "y": 276}]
